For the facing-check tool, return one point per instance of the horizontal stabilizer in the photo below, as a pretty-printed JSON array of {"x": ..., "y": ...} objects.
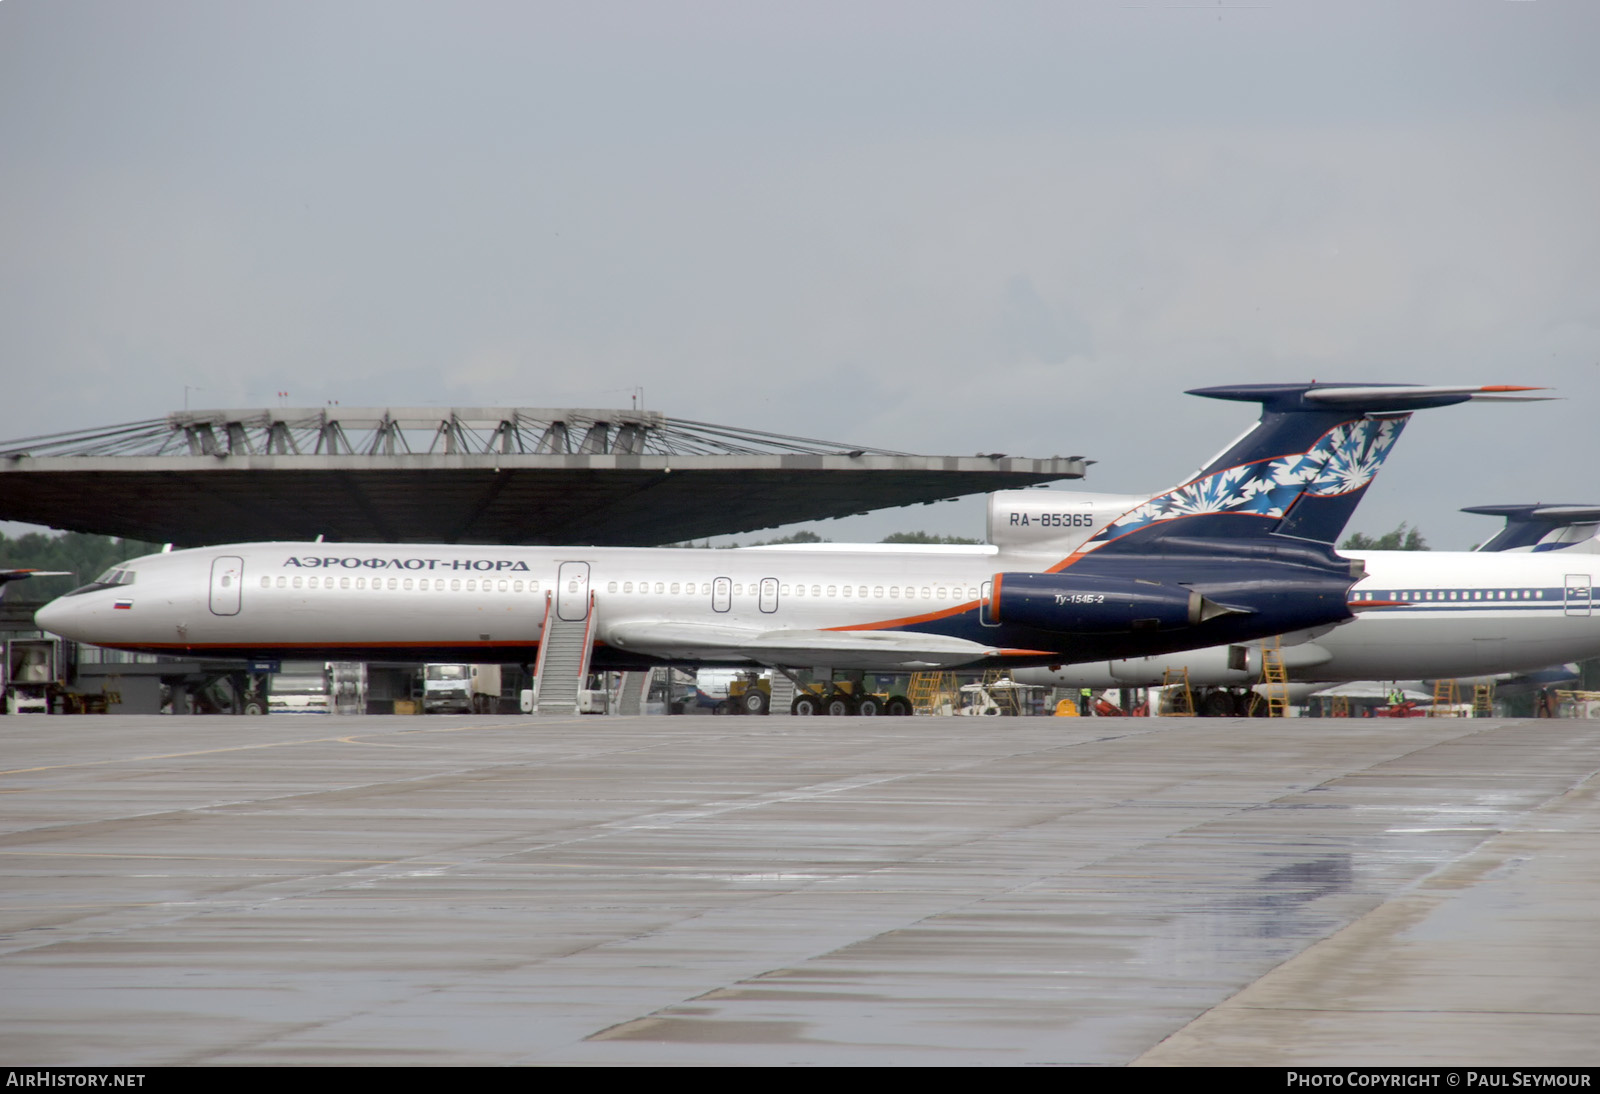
[
  {"x": 1366, "y": 398},
  {"x": 1544, "y": 514},
  {"x": 1418, "y": 397},
  {"x": 20, "y": 574}
]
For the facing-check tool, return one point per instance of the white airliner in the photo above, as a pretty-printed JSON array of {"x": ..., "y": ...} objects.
[{"x": 1238, "y": 552}]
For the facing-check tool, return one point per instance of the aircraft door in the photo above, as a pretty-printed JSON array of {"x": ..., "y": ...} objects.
[
  {"x": 769, "y": 594},
  {"x": 227, "y": 579},
  {"x": 1578, "y": 594},
  {"x": 722, "y": 594},
  {"x": 986, "y": 605},
  {"x": 572, "y": 591}
]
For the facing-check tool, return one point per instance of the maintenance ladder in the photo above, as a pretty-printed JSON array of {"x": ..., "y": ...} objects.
[
  {"x": 1182, "y": 704},
  {"x": 1445, "y": 698},
  {"x": 931, "y": 690},
  {"x": 1274, "y": 680},
  {"x": 1006, "y": 699}
]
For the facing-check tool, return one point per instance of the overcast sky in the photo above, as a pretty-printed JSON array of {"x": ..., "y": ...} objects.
[{"x": 940, "y": 227}]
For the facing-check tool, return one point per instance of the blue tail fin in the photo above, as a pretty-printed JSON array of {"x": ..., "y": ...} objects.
[
  {"x": 1527, "y": 525},
  {"x": 1300, "y": 472}
]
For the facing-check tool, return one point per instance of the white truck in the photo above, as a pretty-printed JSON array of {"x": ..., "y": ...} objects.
[
  {"x": 460, "y": 689},
  {"x": 301, "y": 687}
]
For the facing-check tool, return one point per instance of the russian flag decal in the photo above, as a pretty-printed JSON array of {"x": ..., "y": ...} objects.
[{"x": 123, "y": 605}]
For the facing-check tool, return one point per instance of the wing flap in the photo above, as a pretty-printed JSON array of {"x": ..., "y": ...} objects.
[{"x": 856, "y": 649}]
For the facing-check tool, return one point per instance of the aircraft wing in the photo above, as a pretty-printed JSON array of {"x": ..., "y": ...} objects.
[{"x": 856, "y": 649}]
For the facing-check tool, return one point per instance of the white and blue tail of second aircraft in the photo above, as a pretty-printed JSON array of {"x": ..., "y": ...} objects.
[{"x": 1539, "y": 528}]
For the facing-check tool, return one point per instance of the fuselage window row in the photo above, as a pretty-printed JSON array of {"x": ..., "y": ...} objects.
[
  {"x": 1425, "y": 595},
  {"x": 422, "y": 584},
  {"x": 626, "y": 588}
]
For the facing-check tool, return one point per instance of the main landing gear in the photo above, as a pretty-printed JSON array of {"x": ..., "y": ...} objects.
[{"x": 839, "y": 703}]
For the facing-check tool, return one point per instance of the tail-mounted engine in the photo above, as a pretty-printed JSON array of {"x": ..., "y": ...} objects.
[{"x": 1092, "y": 604}]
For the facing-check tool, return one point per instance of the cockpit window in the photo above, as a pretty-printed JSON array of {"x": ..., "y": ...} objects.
[{"x": 109, "y": 580}]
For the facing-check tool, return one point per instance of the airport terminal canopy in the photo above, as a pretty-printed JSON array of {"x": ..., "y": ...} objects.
[{"x": 466, "y": 475}]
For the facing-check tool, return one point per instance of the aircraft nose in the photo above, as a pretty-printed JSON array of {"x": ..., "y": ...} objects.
[{"x": 55, "y": 617}]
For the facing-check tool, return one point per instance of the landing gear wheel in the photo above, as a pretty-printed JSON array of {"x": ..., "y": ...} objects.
[
  {"x": 869, "y": 707},
  {"x": 755, "y": 702},
  {"x": 840, "y": 707},
  {"x": 806, "y": 706},
  {"x": 254, "y": 706},
  {"x": 898, "y": 706}
]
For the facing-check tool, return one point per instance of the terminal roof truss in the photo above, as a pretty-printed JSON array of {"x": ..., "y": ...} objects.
[{"x": 467, "y": 475}]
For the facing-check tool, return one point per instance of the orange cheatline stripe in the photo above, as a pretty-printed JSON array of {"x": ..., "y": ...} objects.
[
  {"x": 308, "y": 645},
  {"x": 893, "y": 624},
  {"x": 1509, "y": 387}
]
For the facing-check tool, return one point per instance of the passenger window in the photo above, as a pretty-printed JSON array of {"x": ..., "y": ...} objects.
[{"x": 266, "y": 583}]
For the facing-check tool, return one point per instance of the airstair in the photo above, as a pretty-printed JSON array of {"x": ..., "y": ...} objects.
[
  {"x": 563, "y": 663},
  {"x": 1483, "y": 700},
  {"x": 781, "y": 697},
  {"x": 631, "y": 692}
]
